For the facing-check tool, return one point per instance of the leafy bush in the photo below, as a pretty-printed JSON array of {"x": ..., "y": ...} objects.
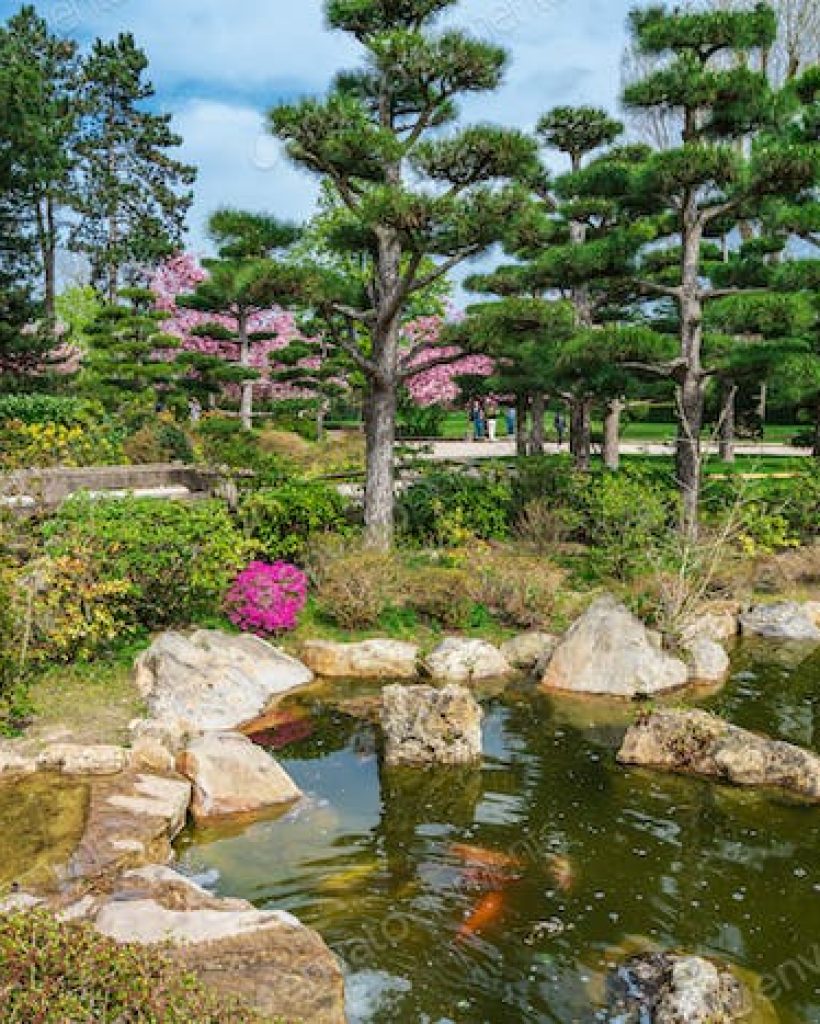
[
  {"x": 516, "y": 590},
  {"x": 53, "y": 972},
  {"x": 177, "y": 559},
  {"x": 267, "y": 599},
  {"x": 416, "y": 421},
  {"x": 226, "y": 443},
  {"x": 45, "y": 445},
  {"x": 451, "y": 508},
  {"x": 42, "y": 409},
  {"x": 70, "y": 613},
  {"x": 439, "y": 596},
  {"x": 354, "y": 586},
  {"x": 287, "y": 519},
  {"x": 159, "y": 441}
]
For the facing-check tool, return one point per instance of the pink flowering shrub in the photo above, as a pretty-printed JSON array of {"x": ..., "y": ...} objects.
[{"x": 267, "y": 599}]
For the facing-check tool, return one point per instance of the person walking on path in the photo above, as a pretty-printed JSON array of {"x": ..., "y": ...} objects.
[
  {"x": 560, "y": 428},
  {"x": 477, "y": 419},
  {"x": 492, "y": 420},
  {"x": 511, "y": 417}
]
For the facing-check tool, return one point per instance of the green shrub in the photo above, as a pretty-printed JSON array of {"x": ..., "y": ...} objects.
[
  {"x": 178, "y": 559},
  {"x": 159, "y": 441},
  {"x": 286, "y": 520},
  {"x": 354, "y": 586},
  {"x": 31, "y": 409},
  {"x": 53, "y": 973},
  {"x": 449, "y": 508},
  {"x": 225, "y": 442}
]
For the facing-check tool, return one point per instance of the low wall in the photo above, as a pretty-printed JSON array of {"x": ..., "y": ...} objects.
[{"x": 49, "y": 488}]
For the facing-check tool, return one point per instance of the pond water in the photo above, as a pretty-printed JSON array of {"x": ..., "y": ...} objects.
[{"x": 503, "y": 894}]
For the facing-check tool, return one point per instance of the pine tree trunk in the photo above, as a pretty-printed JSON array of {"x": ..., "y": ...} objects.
[
  {"x": 728, "y": 417},
  {"x": 816, "y": 446},
  {"x": 50, "y": 266},
  {"x": 580, "y": 440},
  {"x": 612, "y": 434},
  {"x": 763, "y": 406},
  {"x": 537, "y": 438},
  {"x": 246, "y": 404},
  {"x": 380, "y": 433},
  {"x": 521, "y": 436}
]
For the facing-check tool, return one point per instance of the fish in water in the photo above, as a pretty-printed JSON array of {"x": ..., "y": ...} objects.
[
  {"x": 486, "y": 913},
  {"x": 484, "y": 858},
  {"x": 562, "y": 871}
]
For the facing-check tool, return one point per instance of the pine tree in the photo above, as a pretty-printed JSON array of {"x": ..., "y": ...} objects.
[
  {"x": 411, "y": 192},
  {"x": 130, "y": 364},
  {"x": 683, "y": 192},
  {"x": 243, "y": 281},
  {"x": 133, "y": 195},
  {"x": 38, "y": 121}
]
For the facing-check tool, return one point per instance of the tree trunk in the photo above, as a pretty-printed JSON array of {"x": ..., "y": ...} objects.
[
  {"x": 763, "y": 406},
  {"x": 246, "y": 404},
  {"x": 689, "y": 456},
  {"x": 728, "y": 417},
  {"x": 612, "y": 434},
  {"x": 816, "y": 447},
  {"x": 537, "y": 438},
  {"x": 380, "y": 432},
  {"x": 50, "y": 266},
  {"x": 521, "y": 436},
  {"x": 580, "y": 440}
]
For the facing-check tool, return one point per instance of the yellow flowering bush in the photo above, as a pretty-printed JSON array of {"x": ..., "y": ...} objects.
[
  {"x": 44, "y": 445},
  {"x": 66, "y": 611}
]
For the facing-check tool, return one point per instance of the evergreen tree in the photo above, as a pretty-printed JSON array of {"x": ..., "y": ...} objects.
[
  {"x": 243, "y": 281},
  {"x": 130, "y": 363},
  {"x": 708, "y": 178},
  {"x": 410, "y": 191},
  {"x": 38, "y": 120},
  {"x": 133, "y": 195}
]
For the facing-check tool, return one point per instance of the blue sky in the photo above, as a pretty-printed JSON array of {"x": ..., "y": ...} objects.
[{"x": 219, "y": 64}]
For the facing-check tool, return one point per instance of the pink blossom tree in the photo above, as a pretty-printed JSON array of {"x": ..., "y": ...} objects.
[{"x": 435, "y": 368}]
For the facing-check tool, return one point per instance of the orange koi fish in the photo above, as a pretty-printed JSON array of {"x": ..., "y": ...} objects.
[
  {"x": 484, "y": 858},
  {"x": 487, "y": 911}
]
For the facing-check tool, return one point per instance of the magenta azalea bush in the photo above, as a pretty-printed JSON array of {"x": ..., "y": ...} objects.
[{"x": 267, "y": 599}]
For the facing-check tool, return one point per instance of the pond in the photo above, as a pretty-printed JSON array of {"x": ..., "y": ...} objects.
[{"x": 505, "y": 893}]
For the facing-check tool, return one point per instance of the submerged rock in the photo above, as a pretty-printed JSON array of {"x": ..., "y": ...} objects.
[
  {"x": 529, "y": 650},
  {"x": 211, "y": 680},
  {"x": 371, "y": 659},
  {"x": 697, "y": 743},
  {"x": 231, "y": 775},
  {"x": 610, "y": 653},
  {"x": 785, "y": 621},
  {"x": 458, "y": 660},
  {"x": 423, "y": 726},
  {"x": 659, "y": 988}
]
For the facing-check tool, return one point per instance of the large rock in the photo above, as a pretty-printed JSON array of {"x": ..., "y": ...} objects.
[
  {"x": 718, "y": 626},
  {"x": 132, "y": 819},
  {"x": 423, "y": 726},
  {"x": 457, "y": 660},
  {"x": 212, "y": 680},
  {"x": 658, "y": 988},
  {"x": 697, "y": 743},
  {"x": 372, "y": 659},
  {"x": 266, "y": 958},
  {"x": 785, "y": 621},
  {"x": 527, "y": 651},
  {"x": 78, "y": 759},
  {"x": 231, "y": 775},
  {"x": 812, "y": 610},
  {"x": 708, "y": 661},
  {"x": 609, "y": 652}
]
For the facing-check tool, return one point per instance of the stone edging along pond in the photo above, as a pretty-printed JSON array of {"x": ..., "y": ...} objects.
[{"x": 189, "y": 757}]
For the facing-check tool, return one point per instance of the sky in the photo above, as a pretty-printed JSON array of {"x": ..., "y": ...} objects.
[{"x": 219, "y": 65}]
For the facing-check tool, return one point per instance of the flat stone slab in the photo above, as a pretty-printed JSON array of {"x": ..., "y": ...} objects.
[
  {"x": 697, "y": 743},
  {"x": 371, "y": 659}
]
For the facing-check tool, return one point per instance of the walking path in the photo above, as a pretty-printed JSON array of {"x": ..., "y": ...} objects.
[{"x": 457, "y": 451}]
